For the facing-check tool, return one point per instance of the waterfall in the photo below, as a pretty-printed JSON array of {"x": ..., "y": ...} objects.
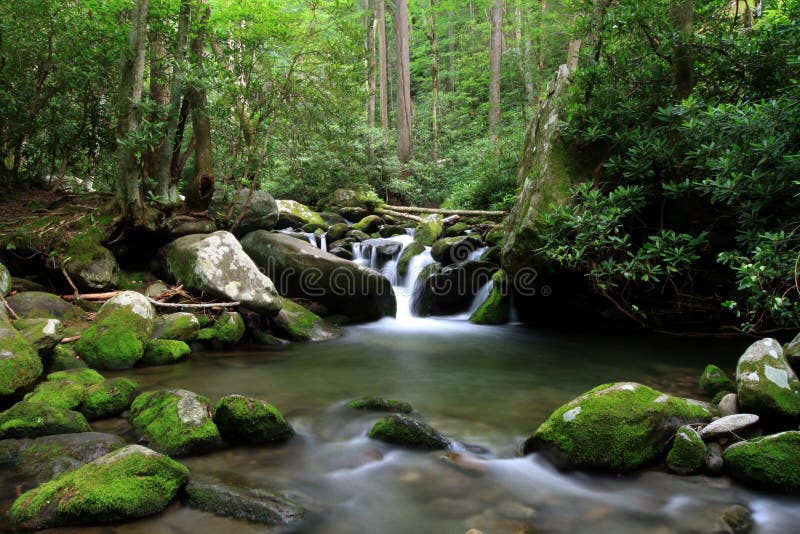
[{"x": 323, "y": 242}]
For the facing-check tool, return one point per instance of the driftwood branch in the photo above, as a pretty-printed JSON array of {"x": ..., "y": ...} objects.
[
  {"x": 92, "y": 296},
  {"x": 465, "y": 213},
  {"x": 11, "y": 312},
  {"x": 384, "y": 211},
  {"x": 194, "y": 306},
  {"x": 70, "y": 339}
]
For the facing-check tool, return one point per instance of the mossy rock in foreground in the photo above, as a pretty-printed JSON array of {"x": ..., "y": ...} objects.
[
  {"x": 766, "y": 385},
  {"x": 402, "y": 430},
  {"x": 20, "y": 365},
  {"x": 62, "y": 394},
  {"x": 109, "y": 398},
  {"x": 770, "y": 462},
  {"x": 180, "y": 326},
  {"x": 128, "y": 483},
  {"x": 46, "y": 457},
  {"x": 175, "y": 421},
  {"x": 378, "y": 404},
  {"x": 164, "y": 351},
  {"x": 32, "y": 420},
  {"x": 496, "y": 309},
  {"x": 713, "y": 380},
  {"x": 87, "y": 377},
  {"x": 227, "y": 329},
  {"x": 617, "y": 427},
  {"x": 114, "y": 342},
  {"x": 242, "y": 419},
  {"x": 254, "y": 505},
  {"x": 688, "y": 453}
]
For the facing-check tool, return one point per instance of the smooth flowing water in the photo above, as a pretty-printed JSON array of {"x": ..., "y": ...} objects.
[{"x": 485, "y": 387}]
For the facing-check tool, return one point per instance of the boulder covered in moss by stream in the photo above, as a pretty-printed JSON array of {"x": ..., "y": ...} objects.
[
  {"x": 300, "y": 324},
  {"x": 127, "y": 483},
  {"x": 41, "y": 305},
  {"x": 63, "y": 394},
  {"x": 61, "y": 358},
  {"x": 91, "y": 266},
  {"x": 379, "y": 404},
  {"x": 766, "y": 385},
  {"x": 713, "y": 380},
  {"x": 304, "y": 271},
  {"x": 450, "y": 250},
  {"x": 216, "y": 264},
  {"x": 20, "y": 364},
  {"x": 429, "y": 230},
  {"x": 615, "y": 427},
  {"x": 32, "y": 420},
  {"x": 179, "y": 326},
  {"x": 261, "y": 210},
  {"x": 407, "y": 432},
  {"x": 245, "y": 420},
  {"x": 496, "y": 309},
  {"x": 448, "y": 290},
  {"x": 44, "y": 334},
  {"x": 175, "y": 421},
  {"x": 108, "y": 398},
  {"x": 117, "y": 337},
  {"x": 228, "y": 328},
  {"x": 295, "y": 215},
  {"x": 769, "y": 462},
  {"x": 411, "y": 251},
  {"x": 164, "y": 352},
  {"x": 688, "y": 453}
]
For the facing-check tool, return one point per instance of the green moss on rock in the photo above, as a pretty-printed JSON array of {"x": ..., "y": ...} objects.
[
  {"x": 108, "y": 398},
  {"x": 402, "y": 430},
  {"x": 378, "y": 404},
  {"x": 62, "y": 357},
  {"x": 369, "y": 224},
  {"x": 300, "y": 324},
  {"x": 617, "y": 427},
  {"x": 496, "y": 309},
  {"x": 713, "y": 380},
  {"x": 20, "y": 365},
  {"x": 87, "y": 377},
  {"x": 412, "y": 250},
  {"x": 114, "y": 342},
  {"x": 766, "y": 384},
  {"x": 176, "y": 422},
  {"x": 770, "y": 462},
  {"x": 58, "y": 393},
  {"x": 164, "y": 351},
  {"x": 31, "y": 420},
  {"x": 688, "y": 453},
  {"x": 242, "y": 419},
  {"x": 128, "y": 483},
  {"x": 227, "y": 329},
  {"x": 181, "y": 326},
  {"x": 429, "y": 230}
]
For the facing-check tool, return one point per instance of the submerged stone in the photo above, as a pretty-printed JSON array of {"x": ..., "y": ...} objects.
[
  {"x": 127, "y": 483},
  {"x": 243, "y": 419},
  {"x": 378, "y": 404},
  {"x": 254, "y": 505},
  {"x": 407, "y": 432}
]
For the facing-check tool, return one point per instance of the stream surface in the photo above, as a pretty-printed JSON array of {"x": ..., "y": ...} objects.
[{"x": 483, "y": 386}]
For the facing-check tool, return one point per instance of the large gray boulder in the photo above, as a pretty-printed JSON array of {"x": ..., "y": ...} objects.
[
  {"x": 254, "y": 505},
  {"x": 40, "y": 305},
  {"x": 20, "y": 365},
  {"x": 304, "y": 271},
  {"x": 295, "y": 215},
  {"x": 765, "y": 383},
  {"x": 617, "y": 427},
  {"x": 450, "y": 289},
  {"x": 43, "y": 458},
  {"x": 215, "y": 263},
  {"x": 127, "y": 483},
  {"x": 260, "y": 211},
  {"x": 93, "y": 268}
]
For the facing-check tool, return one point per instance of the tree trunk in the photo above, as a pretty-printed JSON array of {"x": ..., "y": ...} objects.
[
  {"x": 403, "y": 82},
  {"x": 131, "y": 86},
  {"x": 372, "y": 56},
  {"x": 495, "y": 61},
  {"x": 451, "y": 52},
  {"x": 524, "y": 54},
  {"x": 167, "y": 180},
  {"x": 383, "y": 66},
  {"x": 159, "y": 93},
  {"x": 434, "y": 80},
  {"x": 201, "y": 187},
  {"x": 682, "y": 18}
]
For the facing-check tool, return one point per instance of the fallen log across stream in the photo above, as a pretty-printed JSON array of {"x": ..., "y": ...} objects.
[{"x": 465, "y": 213}]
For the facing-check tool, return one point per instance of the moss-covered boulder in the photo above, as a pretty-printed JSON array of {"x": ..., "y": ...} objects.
[
  {"x": 164, "y": 351},
  {"x": 428, "y": 231},
  {"x": 391, "y": 230},
  {"x": 180, "y": 326},
  {"x": 227, "y": 329},
  {"x": 90, "y": 265},
  {"x": 87, "y": 377},
  {"x": 369, "y": 224},
  {"x": 44, "y": 458},
  {"x": 254, "y": 505},
  {"x": 62, "y": 394},
  {"x": 378, "y": 404},
  {"x": 450, "y": 250},
  {"x": 765, "y": 383},
  {"x": 216, "y": 264},
  {"x": 117, "y": 337},
  {"x": 768, "y": 462},
  {"x": 617, "y": 427},
  {"x": 31, "y": 420},
  {"x": 20, "y": 365},
  {"x": 456, "y": 229},
  {"x": 62, "y": 357},
  {"x": 293, "y": 214},
  {"x": 713, "y": 380},
  {"x": 130, "y": 482},
  {"x": 688, "y": 453},
  {"x": 448, "y": 290},
  {"x": 40, "y": 305},
  {"x": 108, "y": 398},
  {"x": 175, "y": 421},
  {"x": 242, "y": 419},
  {"x": 411, "y": 251},
  {"x": 337, "y": 232},
  {"x": 496, "y": 309},
  {"x": 5, "y": 280},
  {"x": 300, "y": 324},
  {"x": 44, "y": 334},
  {"x": 407, "y": 432},
  {"x": 304, "y": 271},
  {"x": 494, "y": 236}
]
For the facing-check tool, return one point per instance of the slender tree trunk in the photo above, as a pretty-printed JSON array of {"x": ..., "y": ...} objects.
[
  {"x": 404, "y": 149},
  {"x": 372, "y": 56},
  {"x": 201, "y": 187},
  {"x": 434, "y": 79},
  {"x": 682, "y": 17},
  {"x": 159, "y": 93},
  {"x": 131, "y": 86},
  {"x": 495, "y": 61},
  {"x": 451, "y": 52},
  {"x": 383, "y": 66},
  {"x": 167, "y": 181},
  {"x": 524, "y": 50}
]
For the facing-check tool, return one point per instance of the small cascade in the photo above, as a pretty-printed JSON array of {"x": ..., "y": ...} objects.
[
  {"x": 312, "y": 238},
  {"x": 480, "y": 297},
  {"x": 361, "y": 254},
  {"x": 323, "y": 242},
  {"x": 476, "y": 254}
]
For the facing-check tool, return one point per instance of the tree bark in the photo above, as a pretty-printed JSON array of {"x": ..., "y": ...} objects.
[
  {"x": 166, "y": 180},
  {"x": 131, "y": 86},
  {"x": 434, "y": 79},
  {"x": 451, "y": 52},
  {"x": 495, "y": 62},
  {"x": 404, "y": 150},
  {"x": 371, "y": 73},
  {"x": 682, "y": 18},
  {"x": 159, "y": 93},
  {"x": 524, "y": 54},
  {"x": 201, "y": 187},
  {"x": 383, "y": 66}
]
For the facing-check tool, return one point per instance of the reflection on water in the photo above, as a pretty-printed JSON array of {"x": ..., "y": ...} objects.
[{"x": 483, "y": 386}]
